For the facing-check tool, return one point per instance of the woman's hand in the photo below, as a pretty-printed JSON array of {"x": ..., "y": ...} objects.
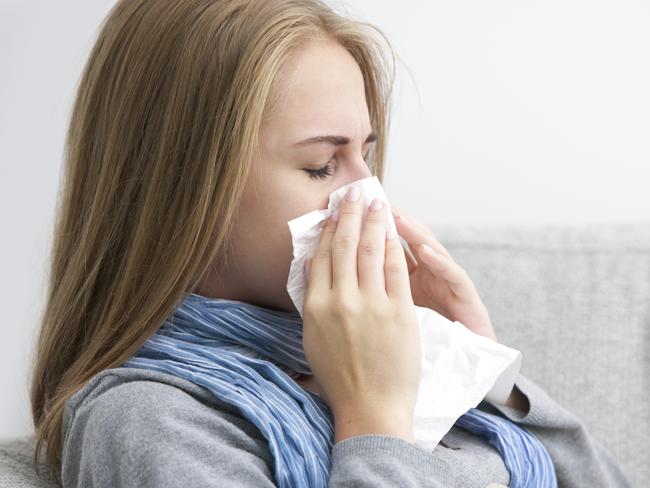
[
  {"x": 360, "y": 329},
  {"x": 438, "y": 282}
]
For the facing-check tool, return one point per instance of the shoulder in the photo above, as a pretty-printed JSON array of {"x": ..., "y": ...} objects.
[
  {"x": 140, "y": 418},
  {"x": 122, "y": 384},
  {"x": 140, "y": 399}
]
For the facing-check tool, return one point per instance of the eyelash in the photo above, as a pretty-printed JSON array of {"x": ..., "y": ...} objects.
[
  {"x": 323, "y": 172},
  {"x": 320, "y": 173}
]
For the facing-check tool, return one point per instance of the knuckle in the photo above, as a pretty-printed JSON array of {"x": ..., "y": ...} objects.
[
  {"x": 395, "y": 256},
  {"x": 328, "y": 230},
  {"x": 311, "y": 303},
  {"x": 348, "y": 211},
  {"x": 368, "y": 248},
  {"x": 321, "y": 254},
  {"x": 378, "y": 309},
  {"x": 350, "y": 208},
  {"x": 393, "y": 268},
  {"x": 376, "y": 217},
  {"x": 346, "y": 305},
  {"x": 314, "y": 306},
  {"x": 344, "y": 243},
  {"x": 393, "y": 245}
]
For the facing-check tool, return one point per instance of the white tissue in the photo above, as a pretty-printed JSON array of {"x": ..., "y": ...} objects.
[{"x": 459, "y": 368}]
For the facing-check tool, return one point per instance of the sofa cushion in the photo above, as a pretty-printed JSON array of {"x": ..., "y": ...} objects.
[
  {"x": 17, "y": 465},
  {"x": 575, "y": 300}
]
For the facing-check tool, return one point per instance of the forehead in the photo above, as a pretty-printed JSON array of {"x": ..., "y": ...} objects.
[{"x": 321, "y": 87}]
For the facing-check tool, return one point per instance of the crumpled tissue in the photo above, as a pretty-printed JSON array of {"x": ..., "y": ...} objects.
[{"x": 459, "y": 367}]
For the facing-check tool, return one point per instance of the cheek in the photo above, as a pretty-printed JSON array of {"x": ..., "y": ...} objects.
[
  {"x": 314, "y": 197},
  {"x": 281, "y": 197},
  {"x": 304, "y": 200}
]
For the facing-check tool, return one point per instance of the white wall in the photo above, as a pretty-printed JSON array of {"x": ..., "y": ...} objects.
[
  {"x": 528, "y": 112},
  {"x": 517, "y": 113},
  {"x": 43, "y": 45}
]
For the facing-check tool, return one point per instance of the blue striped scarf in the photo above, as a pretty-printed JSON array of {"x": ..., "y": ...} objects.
[{"x": 248, "y": 356}]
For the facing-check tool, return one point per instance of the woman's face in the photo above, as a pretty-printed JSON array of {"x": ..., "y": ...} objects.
[{"x": 323, "y": 95}]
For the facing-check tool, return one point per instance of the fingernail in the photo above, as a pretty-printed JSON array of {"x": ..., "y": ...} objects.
[
  {"x": 335, "y": 215},
  {"x": 376, "y": 204},
  {"x": 353, "y": 194}
]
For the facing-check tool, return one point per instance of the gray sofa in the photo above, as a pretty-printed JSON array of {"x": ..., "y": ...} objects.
[{"x": 574, "y": 300}]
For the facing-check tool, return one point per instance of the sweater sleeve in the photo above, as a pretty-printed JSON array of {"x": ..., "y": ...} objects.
[
  {"x": 579, "y": 458},
  {"x": 148, "y": 434}
]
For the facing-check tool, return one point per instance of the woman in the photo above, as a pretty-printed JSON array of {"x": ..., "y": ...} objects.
[{"x": 191, "y": 145}]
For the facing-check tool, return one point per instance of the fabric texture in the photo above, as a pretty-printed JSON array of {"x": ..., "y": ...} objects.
[
  {"x": 196, "y": 343},
  {"x": 213, "y": 343},
  {"x": 526, "y": 458},
  {"x": 573, "y": 300},
  {"x": 131, "y": 427}
]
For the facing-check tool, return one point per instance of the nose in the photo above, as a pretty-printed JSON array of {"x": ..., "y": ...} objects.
[{"x": 360, "y": 169}]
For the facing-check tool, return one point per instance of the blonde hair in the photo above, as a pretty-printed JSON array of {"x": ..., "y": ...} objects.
[{"x": 162, "y": 133}]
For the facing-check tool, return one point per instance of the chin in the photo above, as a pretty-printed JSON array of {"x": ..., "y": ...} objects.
[{"x": 279, "y": 304}]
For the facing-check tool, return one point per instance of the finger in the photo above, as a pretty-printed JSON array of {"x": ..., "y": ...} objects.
[
  {"x": 416, "y": 234},
  {"x": 445, "y": 268},
  {"x": 411, "y": 262},
  {"x": 371, "y": 252},
  {"x": 346, "y": 241},
  {"x": 396, "y": 274},
  {"x": 408, "y": 223},
  {"x": 320, "y": 272}
]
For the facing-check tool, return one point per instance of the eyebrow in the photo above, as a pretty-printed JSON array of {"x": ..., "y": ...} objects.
[{"x": 334, "y": 140}]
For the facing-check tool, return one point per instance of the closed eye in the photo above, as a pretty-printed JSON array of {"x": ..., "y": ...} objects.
[
  {"x": 326, "y": 171},
  {"x": 320, "y": 173}
]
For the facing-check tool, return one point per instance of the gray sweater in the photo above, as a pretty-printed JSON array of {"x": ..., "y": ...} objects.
[{"x": 131, "y": 427}]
